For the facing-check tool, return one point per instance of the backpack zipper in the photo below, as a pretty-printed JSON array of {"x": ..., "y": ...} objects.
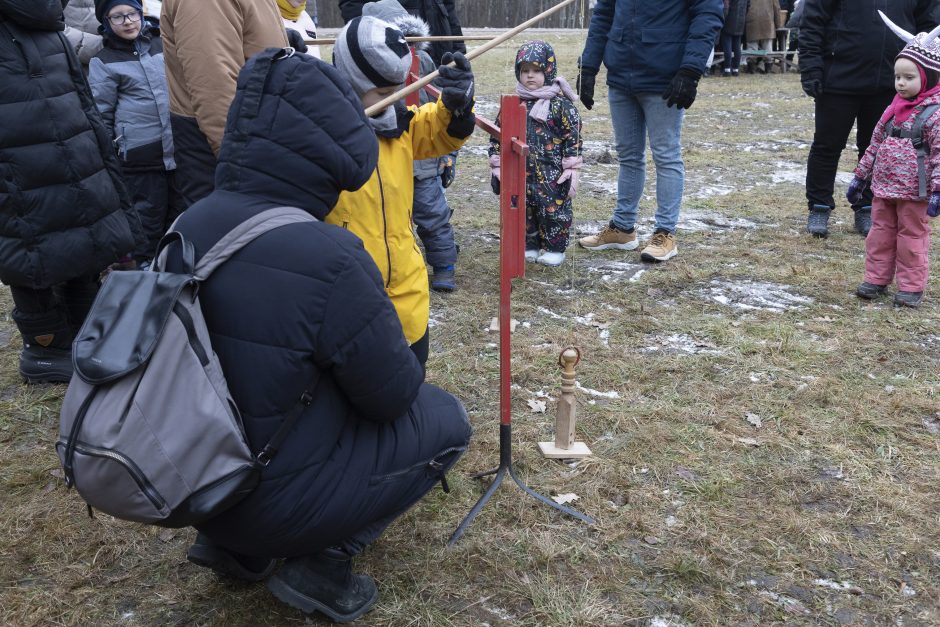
[{"x": 133, "y": 470}]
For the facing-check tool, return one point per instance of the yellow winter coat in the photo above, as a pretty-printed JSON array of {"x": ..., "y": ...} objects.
[{"x": 380, "y": 213}]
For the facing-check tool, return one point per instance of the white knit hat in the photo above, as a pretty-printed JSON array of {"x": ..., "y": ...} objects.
[{"x": 371, "y": 53}]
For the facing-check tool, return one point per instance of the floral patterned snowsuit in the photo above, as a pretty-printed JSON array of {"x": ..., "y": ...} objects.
[{"x": 548, "y": 208}]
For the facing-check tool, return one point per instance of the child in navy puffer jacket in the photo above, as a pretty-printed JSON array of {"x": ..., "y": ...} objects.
[
  {"x": 128, "y": 81},
  {"x": 905, "y": 179}
]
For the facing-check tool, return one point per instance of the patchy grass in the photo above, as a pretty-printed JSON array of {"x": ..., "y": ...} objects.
[{"x": 826, "y": 514}]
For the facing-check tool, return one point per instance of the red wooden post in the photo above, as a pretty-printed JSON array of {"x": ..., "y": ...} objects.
[
  {"x": 414, "y": 98},
  {"x": 513, "y": 153}
]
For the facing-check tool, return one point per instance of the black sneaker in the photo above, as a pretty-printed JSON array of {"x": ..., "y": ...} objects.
[
  {"x": 909, "y": 299},
  {"x": 324, "y": 583},
  {"x": 863, "y": 220},
  {"x": 44, "y": 364},
  {"x": 227, "y": 563},
  {"x": 818, "y": 222},
  {"x": 868, "y": 291}
]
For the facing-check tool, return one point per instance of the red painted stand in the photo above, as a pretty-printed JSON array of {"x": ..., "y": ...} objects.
[{"x": 513, "y": 151}]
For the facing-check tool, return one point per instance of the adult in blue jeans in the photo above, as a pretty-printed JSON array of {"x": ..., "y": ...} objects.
[{"x": 655, "y": 53}]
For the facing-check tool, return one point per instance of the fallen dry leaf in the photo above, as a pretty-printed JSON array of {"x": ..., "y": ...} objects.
[
  {"x": 564, "y": 499},
  {"x": 748, "y": 441},
  {"x": 651, "y": 540},
  {"x": 537, "y": 406}
]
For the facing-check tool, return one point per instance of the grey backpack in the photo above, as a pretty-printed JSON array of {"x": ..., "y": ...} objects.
[{"x": 148, "y": 430}]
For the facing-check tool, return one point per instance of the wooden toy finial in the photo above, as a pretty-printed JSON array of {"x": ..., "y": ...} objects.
[{"x": 565, "y": 446}]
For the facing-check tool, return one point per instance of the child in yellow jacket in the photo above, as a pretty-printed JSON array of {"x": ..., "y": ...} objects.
[{"x": 375, "y": 57}]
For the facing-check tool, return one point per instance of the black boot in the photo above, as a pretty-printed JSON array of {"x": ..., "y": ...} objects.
[
  {"x": 204, "y": 552},
  {"x": 863, "y": 220},
  {"x": 47, "y": 346},
  {"x": 818, "y": 222},
  {"x": 324, "y": 583}
]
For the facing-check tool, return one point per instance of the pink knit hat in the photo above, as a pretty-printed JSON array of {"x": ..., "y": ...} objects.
[{"x": 923, "y": 48}]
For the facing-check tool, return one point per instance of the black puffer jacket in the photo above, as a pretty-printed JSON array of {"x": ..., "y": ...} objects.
[
  {"x": 441, "y": 16},
  {"x": 847, "y": 46},
  {"x": 63, "y": 208},
  {"x": 303, "y": 307}
]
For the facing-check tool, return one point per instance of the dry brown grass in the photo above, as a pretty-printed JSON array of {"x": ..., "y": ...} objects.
[{"x": 694, "y": 526}]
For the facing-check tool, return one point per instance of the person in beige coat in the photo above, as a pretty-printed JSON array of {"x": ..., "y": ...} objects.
[
  {"x": 761, "y": 30},
  {"x": 205, "y": 45}
]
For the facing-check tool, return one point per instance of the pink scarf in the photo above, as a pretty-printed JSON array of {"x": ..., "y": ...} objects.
[
  {"x": 544, "y": 96},
  {"x": 902, "y": 108}
]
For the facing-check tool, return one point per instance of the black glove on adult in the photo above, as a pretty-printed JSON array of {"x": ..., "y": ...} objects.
[
  {"x": 812, "y": 83},
  {"x": 683, "y": 89},
  {"x": 494, "y": 184},
  {"x": 585, "y": 85},
  {"x": 295, "y": 40},
  {"x": 456, "y": 83}
]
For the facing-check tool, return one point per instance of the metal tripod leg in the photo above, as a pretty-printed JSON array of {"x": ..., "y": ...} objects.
[{"x": 505, "y": 465}]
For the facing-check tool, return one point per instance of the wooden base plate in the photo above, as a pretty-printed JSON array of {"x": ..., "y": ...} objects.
[{"x": 577, "y": 451}]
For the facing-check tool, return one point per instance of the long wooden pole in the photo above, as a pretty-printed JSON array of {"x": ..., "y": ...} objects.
[
  {"x": 473, "y": 54},
  {"x": 433, "y": 38}
]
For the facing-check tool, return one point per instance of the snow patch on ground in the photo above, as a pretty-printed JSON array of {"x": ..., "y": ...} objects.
[
  {"x": 678, "y": 344},
  {"x": 590, "y": 392},
  {"x": 754, "y": 295}
]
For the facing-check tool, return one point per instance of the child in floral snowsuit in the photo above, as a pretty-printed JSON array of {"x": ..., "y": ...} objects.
[
  {"x": 905, "y": 184},
  {"x": 553, "y": 133}
]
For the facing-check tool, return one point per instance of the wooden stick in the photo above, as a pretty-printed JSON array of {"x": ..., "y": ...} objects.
[
  {"x": 473, "y": 54},
  {"x": 434, "y": 38}
]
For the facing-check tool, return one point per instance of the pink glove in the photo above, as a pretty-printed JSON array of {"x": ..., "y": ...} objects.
[{"x": 572, "y": 172}]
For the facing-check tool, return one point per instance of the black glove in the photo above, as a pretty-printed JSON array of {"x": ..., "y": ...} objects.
[
  {"x": 812, "y": 83},
  {"x": 494, "y": 184},
  {"x": 447, "y": 169},
  {"x": 295, "y": 40},
  {"x": 683, "y": 88},
  {"x": 585, "y": 85},
  {"x": 456, "y": 83}
]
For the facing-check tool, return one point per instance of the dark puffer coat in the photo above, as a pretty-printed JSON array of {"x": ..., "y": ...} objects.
[
  {"x": 441, "y": 16},
  {"x": 735, "y": 17},
  {"x": 64, "y": 212},
  {"x": 644, "y": 43},
  {"x": 847, "y": 46},
  {"x": 303, "y": 308}
]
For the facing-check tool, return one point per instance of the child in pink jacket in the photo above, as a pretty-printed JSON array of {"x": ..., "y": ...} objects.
[{"x": 902, "y": 164}]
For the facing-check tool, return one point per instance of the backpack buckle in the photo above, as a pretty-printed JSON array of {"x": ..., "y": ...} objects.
[
  {"x": 306, "y": 398},
  {"x": 264, "y": 458}
]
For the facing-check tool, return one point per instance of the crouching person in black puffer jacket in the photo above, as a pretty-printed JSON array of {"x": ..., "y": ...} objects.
[
  {"x": 64, "y": 213},
  {"x": 303, "y": 308}
]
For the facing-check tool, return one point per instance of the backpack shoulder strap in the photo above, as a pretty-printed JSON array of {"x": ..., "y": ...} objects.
[
  {"x": 247, "y": 231},
  {"x": 917, "y": 130}
]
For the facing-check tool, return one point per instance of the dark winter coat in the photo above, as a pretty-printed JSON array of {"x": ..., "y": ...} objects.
[
  {"x": 846, "y": 45},
  {"x": 441, "y": 16},
  {"x": 735, "y": 15},
  {"x": 644, "y": 43},
  {"x": 64, "y": 212},
  {"x": 128, "y": 81},
  {"x": 303, "y": 308}
]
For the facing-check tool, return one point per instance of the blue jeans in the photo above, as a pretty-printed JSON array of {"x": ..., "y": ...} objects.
[
  {"x": 431, "y": 215},
  {"x": 634, "y": 116}
]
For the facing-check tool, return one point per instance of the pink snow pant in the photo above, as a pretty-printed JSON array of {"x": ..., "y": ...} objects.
[{"x": 898, "y": 242}]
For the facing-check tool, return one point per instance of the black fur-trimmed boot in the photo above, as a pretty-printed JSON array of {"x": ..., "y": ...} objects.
[
  {"x": 47, "y": 346},
  {"x": 324, "y": 582}
]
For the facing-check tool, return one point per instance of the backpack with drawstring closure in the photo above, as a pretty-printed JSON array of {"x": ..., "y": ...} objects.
[{"x": 148, "y": 429}]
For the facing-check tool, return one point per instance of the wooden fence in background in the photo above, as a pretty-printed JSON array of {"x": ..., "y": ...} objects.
[{"x": 487, "y": 13}]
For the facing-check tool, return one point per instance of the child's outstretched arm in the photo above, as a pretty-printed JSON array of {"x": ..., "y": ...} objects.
[{"x": 444, "y": 126}]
